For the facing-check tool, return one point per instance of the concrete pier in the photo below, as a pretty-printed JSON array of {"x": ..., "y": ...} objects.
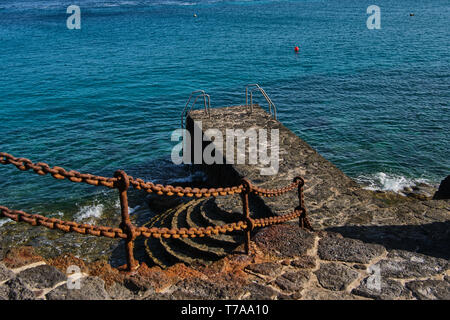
[{"x": 332, "y": 198}]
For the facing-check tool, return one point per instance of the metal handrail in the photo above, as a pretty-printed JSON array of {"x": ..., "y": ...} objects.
[
  {"x": 201, "y": 93},
  {"x": 271, "y": 104},
  {"x": 272, "y": 108},
  {"x": 197, "y": 94}
]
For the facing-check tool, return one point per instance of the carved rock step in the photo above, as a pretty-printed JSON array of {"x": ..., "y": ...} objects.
[
  {"x": 183, "y": 249},
  {"x": 215, "y": 215},
  {"x": 200, "y": 217},
  {"x": 198, "y": 250},
  {"x": 203, "y": 247},
  {"x": 155, "y": 251}
]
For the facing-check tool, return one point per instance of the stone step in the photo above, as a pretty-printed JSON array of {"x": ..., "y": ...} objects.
[
  {"x": 231, "y": 239},
  {"x": 183, "y": 209},
  {"x": 231, "y": 204},
  {"x": 215, "y": 215},
  {"x": 155, "y": 250},
  {"x": 157, "y": 253},
  {"x": 176, "y": 249},
  {"x": 203, "y": 246},
  {"x": 184, "y": 249},
  {"x": 199, "y": 250},
  {"x": 172, "y": 248},
  {"x": 226, "y": 241}
]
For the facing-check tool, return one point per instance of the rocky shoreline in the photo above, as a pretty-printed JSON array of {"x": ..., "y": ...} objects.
[
  {"x": 286, "y": 263},
  {"x": 352, "y": 262}
]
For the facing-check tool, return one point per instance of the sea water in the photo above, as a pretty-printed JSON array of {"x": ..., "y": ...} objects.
[{"x": 107, "y": 96}]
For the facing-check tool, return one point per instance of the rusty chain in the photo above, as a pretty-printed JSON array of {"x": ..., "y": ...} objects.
[
  {"x": 42, "y": 168},
  {"x": 101, "y": 231},
  {"x": 66, "y": 226},
  {"x": 127, "y": 230}
]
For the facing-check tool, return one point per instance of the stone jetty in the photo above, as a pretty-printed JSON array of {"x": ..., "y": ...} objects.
[{"x": 366, "y": 244}]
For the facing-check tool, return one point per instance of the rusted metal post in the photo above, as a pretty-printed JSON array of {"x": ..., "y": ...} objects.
[
  {"x": 246, "y": 212},
  {"x": 301, "y": 201},
  {"x": 302, "y": 219},
  {"x": 126, "y": 225}
]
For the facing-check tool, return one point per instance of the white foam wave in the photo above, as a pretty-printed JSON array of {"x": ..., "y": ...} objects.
[
  {"x": 58, "y": 214},
  {"x": 4, "y": 221},
  {"x": 89, "y": 212},
  {"x": 389, "y": 182}
]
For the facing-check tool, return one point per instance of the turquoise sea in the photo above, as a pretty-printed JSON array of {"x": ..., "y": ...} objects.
[{"x": 107, "y": 96}]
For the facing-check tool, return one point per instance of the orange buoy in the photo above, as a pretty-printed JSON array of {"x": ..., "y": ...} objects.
[{"x": 296, "y": 49}]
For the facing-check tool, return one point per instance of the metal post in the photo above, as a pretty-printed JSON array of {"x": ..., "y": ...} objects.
[
  {"x": 246, "y": 212},
  {"x": 301, "y": 202},
  {"x": 302, "y": 219},
  {"x": 126, "y": 225}
]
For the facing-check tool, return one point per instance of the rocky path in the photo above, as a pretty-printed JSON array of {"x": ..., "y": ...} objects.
[
  {"x": 286, "y": 263},
  {"x": 40, "y": 281}
]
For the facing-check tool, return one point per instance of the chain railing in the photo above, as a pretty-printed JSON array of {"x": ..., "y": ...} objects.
[{"x": 130, "y": 232}]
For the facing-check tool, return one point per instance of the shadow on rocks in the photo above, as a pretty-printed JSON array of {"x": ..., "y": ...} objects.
[
  {"x": 118, "y": 255},
  {"x": 430, "y": 239}
]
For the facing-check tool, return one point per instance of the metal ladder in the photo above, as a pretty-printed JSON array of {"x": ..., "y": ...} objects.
[
  {"x": 254, "y": 87},
  {"x": 250, "y": 88},
  {"x": 196, "y": 94}
]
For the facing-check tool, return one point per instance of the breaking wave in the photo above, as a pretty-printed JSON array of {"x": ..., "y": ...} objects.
[
  {"x": 389, "y": 182},
  {"x": 4, "y": 221},
  {"x": 90, "y": 211}
]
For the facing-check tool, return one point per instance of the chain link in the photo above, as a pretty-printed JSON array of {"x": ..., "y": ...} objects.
[
  {"x": 66, "y": 226},
  {"x": 101, "y": 231},
  {"x": 127, "y": 231},
  {"x": 42, "y": 168}
]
